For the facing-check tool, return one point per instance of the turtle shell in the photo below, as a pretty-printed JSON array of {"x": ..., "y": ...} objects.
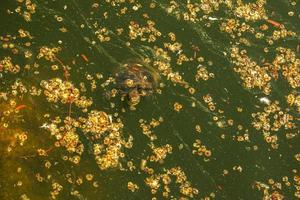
[{"x": 135, "y": 77}]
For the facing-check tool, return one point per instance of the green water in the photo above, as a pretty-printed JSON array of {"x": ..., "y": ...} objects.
[{"x": 257, "y": 159}]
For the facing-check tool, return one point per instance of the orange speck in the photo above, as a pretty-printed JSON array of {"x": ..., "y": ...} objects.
[
  {"x": 274, "y": 23},
  {"x": 66, "y": 73},
  {"x": 20, "y": 107},
  {"x": 84, "y": 58}
]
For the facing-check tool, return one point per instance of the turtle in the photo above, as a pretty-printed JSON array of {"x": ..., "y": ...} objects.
[{"x": 134, "y": 81}]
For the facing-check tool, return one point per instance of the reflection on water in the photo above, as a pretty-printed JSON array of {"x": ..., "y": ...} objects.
[{"x": 136, "y": 99}]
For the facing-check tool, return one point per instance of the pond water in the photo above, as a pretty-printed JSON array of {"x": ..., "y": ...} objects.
[{"x": 209, "y": 107}]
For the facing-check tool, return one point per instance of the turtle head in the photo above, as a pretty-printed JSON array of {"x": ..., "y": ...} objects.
[{"x": 134, "y": 97}]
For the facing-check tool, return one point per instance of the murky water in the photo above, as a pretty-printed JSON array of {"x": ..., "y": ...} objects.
[{"x": 222, "y": 123}]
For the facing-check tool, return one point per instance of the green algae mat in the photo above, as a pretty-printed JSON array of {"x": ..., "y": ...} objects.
[{"x": 149, "y": 99}]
